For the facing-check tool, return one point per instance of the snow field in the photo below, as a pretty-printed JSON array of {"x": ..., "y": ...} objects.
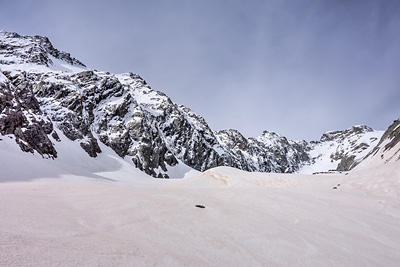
[{"x": 249, "y": 219}]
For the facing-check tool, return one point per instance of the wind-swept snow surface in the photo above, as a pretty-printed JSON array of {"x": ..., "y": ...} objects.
[{"x": 249, "y": 219}]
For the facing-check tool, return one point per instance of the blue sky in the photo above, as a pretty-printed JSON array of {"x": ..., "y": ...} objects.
[{"x": 299, "y": 68}]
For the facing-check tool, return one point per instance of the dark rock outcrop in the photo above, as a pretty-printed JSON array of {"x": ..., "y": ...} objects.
[
  {"x": 22, "y": 117},
  {"x": 346, "y": 163}
]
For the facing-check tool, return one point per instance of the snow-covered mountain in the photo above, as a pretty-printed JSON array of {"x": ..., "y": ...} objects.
[
  {"x": 46, "y": 95},
  {"x": 341, "y": 150}
]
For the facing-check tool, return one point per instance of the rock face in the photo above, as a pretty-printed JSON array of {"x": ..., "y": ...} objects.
[
  {"x": 270, "y": 152},
  {"x": 22, "y": 117},
  {"x": 391, "y": 138},
  {"x": 346, "y": 163},
  {"x": 43, "y": 90}
]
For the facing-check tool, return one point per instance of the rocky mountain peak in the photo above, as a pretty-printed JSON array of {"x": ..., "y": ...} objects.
[
  {"x": 232, "y": 138},
  {"x": 270, "y": 138},
  {"x": 17, "y": 49}
]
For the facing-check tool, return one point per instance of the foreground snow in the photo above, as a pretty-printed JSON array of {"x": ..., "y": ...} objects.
[{"x": 250, "y": 219}]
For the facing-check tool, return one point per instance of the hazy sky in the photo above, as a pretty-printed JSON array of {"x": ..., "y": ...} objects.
[{"x": 299, "y": 68}]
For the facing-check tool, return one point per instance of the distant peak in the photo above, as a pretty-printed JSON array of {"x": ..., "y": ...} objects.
[
  {"x": 356, "y": 129},
  {"x": 269, "y": 135}
]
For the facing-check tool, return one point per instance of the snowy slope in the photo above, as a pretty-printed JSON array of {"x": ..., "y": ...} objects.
[
  {"x": 71, "y": 162},
  {"x": 249, "y": 219}
]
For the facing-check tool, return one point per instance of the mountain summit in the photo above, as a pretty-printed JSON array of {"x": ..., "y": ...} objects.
[
  {"x": 46, "y": 94},
  {"x": 38, "y": 50}
]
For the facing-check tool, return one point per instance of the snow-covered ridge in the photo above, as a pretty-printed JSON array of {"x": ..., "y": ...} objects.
[
  {"x": 44, "y": 91},
  {"x": 34, "y": 53}
]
